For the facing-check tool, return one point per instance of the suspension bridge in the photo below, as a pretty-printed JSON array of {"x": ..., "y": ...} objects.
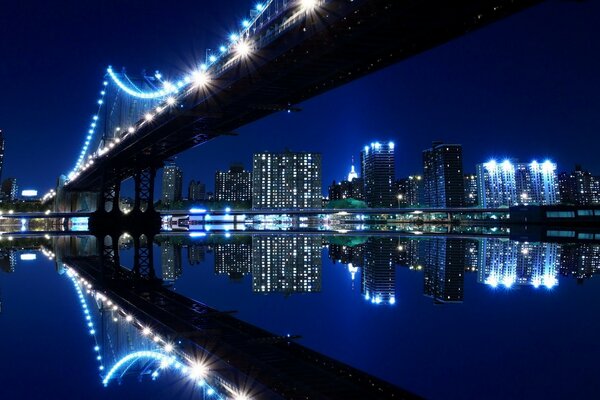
[{"x": 286, "y": 52}]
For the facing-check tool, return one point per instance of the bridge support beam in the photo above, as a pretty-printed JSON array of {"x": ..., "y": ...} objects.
[{"x": 143, "y": 257}]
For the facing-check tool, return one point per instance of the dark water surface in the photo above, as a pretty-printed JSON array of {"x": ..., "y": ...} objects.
[{"x": 443, "y": 317}]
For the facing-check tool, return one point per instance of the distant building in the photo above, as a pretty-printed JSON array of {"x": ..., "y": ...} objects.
[
  {"x": 196, "y": 253},
  {"x": 378, "y": 173},
  {"x": 10, "y": 189},
  {"x": 379, "y": 272},
  {"x": 443, "y": 175},
  {"x": 234, "y": 185},
  {"x": 171, "y": 184},
  {"x": 286, "y": 180},
  {"x": 351, "y": 188},
  {"x": 1, "y": 153},
  {"x": 506, "y": 184},
  {"x": 578, "y": 187},
  {"x": 471, "y": 193},
  {"x": 196, "y": 191},
  {"x": 409, "y": 191},
  {"x": 288, "y": 264}
]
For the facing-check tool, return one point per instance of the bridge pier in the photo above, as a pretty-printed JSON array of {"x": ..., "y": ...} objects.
[{"x": 142, "y": 218}]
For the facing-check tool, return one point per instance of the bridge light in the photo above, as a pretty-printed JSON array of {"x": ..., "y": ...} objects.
[
  {"x": 95, "y": 117},
  {"x": 242, "y": 48},
  {"x": 200, "y": 78},
  {"x": 245, "y": 23},
  {"x": 131, "y": 129},
  {"x": 148, "y": 117},
  {"x": 212, "y": 59},
  {"x": 100, "y": 101},
  {"x": 308, "y": 5},
  {"x": 168, "y": 347},
  {"x": 222, "y": 49},
  {"x": 146, "y": 331},
  {"x": 234, "y": 37},
  {"x": 171, "y": 101},
  {"x": 260, "y": 7},
  {"x": 198, "y": 370}
]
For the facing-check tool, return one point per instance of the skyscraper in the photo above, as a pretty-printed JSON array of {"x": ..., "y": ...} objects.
[
  {"x": 577, "y": 187},
  {"x": 171, "y": 261},
  {"x": 409, "y": 191},
  {"x": 379, "y": 272},
  {"x": 471, "y": 194},
  {"x": 443, "y": 175},
  {"x": 233, "y": 185},
  {"x": 233, "y": 259},
  {"x": 506, "y": 184},
  {"x": 444, "y": 269},
  {"x": 286, "y": 180},
  {"x": 10, "y": 189},
  {"x": 378, "y": 173},
  {"x": 171, "y": 184},
  {"x": 196, "y": 191}
]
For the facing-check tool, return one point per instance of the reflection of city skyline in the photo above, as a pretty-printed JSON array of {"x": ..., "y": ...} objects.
[{"x": 293, "y": 263}]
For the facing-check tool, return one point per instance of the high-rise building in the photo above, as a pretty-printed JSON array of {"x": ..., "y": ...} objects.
[
  {"x": 10, "y": 189},
  {"x": 443, "y": 175},
  {"x": 578, "y": 187},
  {"x": 351, "y": 188},
  {"x": 286, "y": 180},
  {"x": 471, "y": 194},
  {"x": 378, "y": 173},
  {"x": 233, "y": 185},
  {"x": 196, "y": 253},
  {"x": 289, "y": 264},
  {"x": 506, "y": 184},
  {"x": 1, "y": 153},
  {"x": 196, "y": 191},
  {"x": 409, "y": 191},
  {"x": 171, "y": 184}
]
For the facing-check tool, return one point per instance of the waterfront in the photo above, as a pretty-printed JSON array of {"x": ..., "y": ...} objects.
[{"x": 517, "y": 322}]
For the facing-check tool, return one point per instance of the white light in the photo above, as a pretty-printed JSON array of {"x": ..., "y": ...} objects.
[
  {"x": 242, "y": 48},
  {"x": 129, "y": 318},
  {"x": 168, "y": 347},
  {"x": 197, "y": 371},
  {"x": 234, "y": 37},
  {"x": 245, "y": 23},
  {"x": 28, "y": 257},
  {"x": 260, "y": 7},
  {"x": 200, "y": 78},
  {"x": 308, "y": 5},
  {"x": 131, "y": 129},
  {"x": 171, "y": 101},
  {"x": 148, "y": 117},
  {"x": 146, "y": 331},
  {"x": 222, "y": 49},
  {"x": 212, "y": 59}
]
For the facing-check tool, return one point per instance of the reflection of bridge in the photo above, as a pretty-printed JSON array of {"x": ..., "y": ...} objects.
[
  {"x": 287, "y": 52},
  {"x": 231, "y": 355}
]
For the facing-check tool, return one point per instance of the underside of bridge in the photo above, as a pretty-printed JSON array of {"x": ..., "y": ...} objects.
[{"x": 336, "y": 43}]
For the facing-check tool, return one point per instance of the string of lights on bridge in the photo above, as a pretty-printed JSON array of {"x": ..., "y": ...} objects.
[
  {"x": 238, "y": 47},
  {"x": 165, "y": 355}
]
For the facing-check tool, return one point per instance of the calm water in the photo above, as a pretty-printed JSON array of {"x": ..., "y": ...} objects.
[{"x": 443, "y": 317}]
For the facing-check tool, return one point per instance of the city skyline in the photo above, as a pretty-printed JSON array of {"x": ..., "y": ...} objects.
[{"x": 410, "y": 131}]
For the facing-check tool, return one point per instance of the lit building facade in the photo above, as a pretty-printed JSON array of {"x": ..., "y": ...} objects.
[
  {"x": 170, "y": 255},
  {"x": 578, "y": 187},
  {"x": 196, "y": 191},
  {"x": 288, "y": 264},
  {"x": 233, "y": 259},
  {"x": 378, "y": 278},
  {"x": 378, "y": 173},
  {"x": 10, "y": 190},
  {"x": 172, "y": 181},
  {"x": 443, "y": 175},
  {"x": 507, "y": 183},
  {"x": 1, "y": 153},
  {"x": 410, "y": 191},
  {"x": 471, "y": 192},
  {"x": 286, "y": 180},
  {"x": 234, "y": 185},
  {"x": 444, "y": 269}
]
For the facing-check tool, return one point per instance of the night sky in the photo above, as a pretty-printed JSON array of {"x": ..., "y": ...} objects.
[{"x": 525, "y": 87}]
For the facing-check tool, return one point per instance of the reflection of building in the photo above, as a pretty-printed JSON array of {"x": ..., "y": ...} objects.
[
  {"x": 286, "y": 180},
  {"x": 196, "y": 253},
  {"x": 196, "y": 191},
  {"x": 379, "y": 272},
  {"x": 508, "y": 183},
  {"x": 444, "y": 269},
  {"x": 410, "y": 191},
  {"x": 170, "y": 255},
  {"x": 233, "y": 259},
  {"x": 1, "y": 153},
  {"x": 505, "y": 262},
  {"x": 443, "y": 175},
  {"x": 378, "y": 172},
  {"x": 8, "y": 260},
  {"x": 289, "y": 264},
  {"x": 579, "y": 187},
  {"x": 233, "y": 185},
  {"x": 171, "y": 184},
  {"x": 471, "y": 195},
  {"x": 579, "y": 260}
]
